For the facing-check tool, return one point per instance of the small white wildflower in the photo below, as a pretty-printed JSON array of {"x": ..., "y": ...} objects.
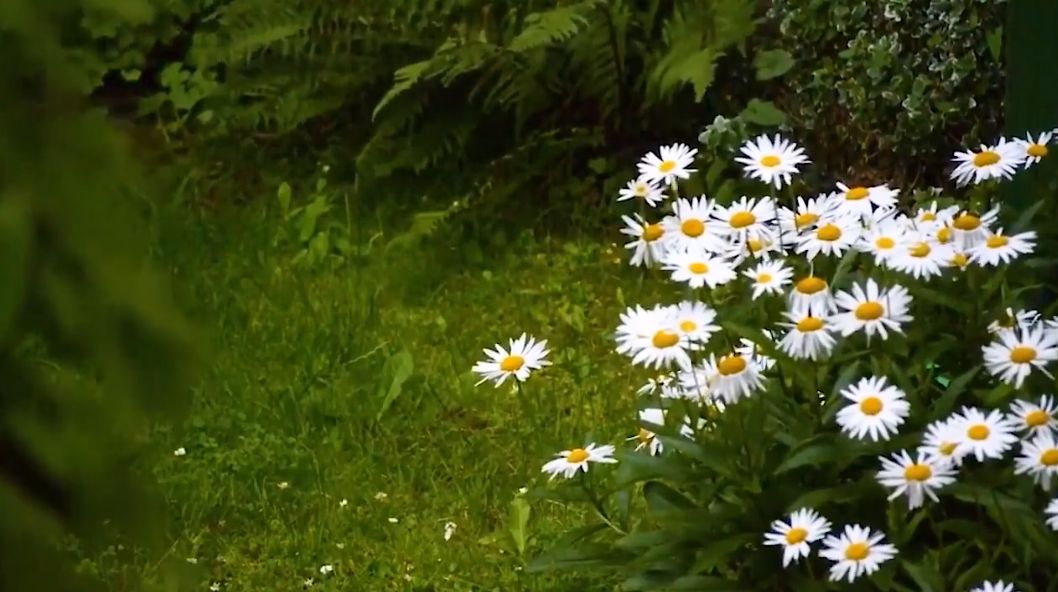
[
  {"x": 340, "y": 545},
  {"x": 381, "y": 496},
  {"x": 450, "y": 529},
  {"x": 343, "y": 503},
  {"x": 214, "y": 587},
  {"x": 283, "y": 485},
  {"x": 180, "y": 451},
  {"x": 326, "y": 568},
  {"x": 192, "y": 560},
  {"x": 393, "y": 520},
  {"x": 308, "y": 582}
]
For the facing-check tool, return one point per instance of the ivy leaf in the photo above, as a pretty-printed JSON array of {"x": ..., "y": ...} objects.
[
  {"x": 772, "y": 63},
  {"x": 763, "y": 113}
]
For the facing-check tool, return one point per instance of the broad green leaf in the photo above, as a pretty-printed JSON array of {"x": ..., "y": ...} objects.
[
  {"x": 944, "y": 404},
  {"x": 637, "y": 466},
  {"x": 581, "y": 556},
  {"x": 715, "y": 555},
  {"x": 398, "y": 369},
  {"x": 704, "y": 584},
  {"x": 14, "y": 254},
  {"x": 662, "y": 499},
  {"x": 840, "y": 494},
  {"x": 642, "y": 540},
  {"x": 994, "y": 38},
  {"x": 925, "y": 576},
  {"x": 772, "y": 63},
  {"x": 518, "y": 523},
  {"x": 812, "y": 453},
  {"x": 763, "y": 113}
]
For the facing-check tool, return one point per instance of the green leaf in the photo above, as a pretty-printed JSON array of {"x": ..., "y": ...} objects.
[
  {"x": 403, "y": 79},
  {"x": 926, "y": 577},
  {"x": 772, "y": 63},
  {"x": 812, "y": 452},
  {"x": 994, "y": 38},
  {"x": 637, "y": 466},
  {"x": 715, "y": 555},
  {"x": 946, "y": 402},
  {"x": 662, "y": 499},
  {"x": 763, "y": 113},
  {"x": 398, "y": 368},
  {"x": 14, "y": 246},
  {"x": 518, "y": 523},
  {"x": 840, "y": 494},
  {"x": 704, "y": 584},
  {"x": 577, "y": 557}
]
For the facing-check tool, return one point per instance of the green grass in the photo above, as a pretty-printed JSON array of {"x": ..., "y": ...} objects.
[{"x": 301, "y": 361}]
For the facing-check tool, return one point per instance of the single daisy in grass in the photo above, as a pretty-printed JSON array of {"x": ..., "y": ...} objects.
[
  {"x": 746, "y": 217},
  {"x": 968, "y": 229},
  {"x": 1014, "y": 319},
  {"x": 985, "y": 436},
  {"x": 808, "y": 336},
  {"x": 882, "y": 240},
  {"x": 808, "y": 213},
  {"x": 1034, "y": 417},
  {"x": 648, "y": 241},
  {"x": 856, "y": 551},
  {"x": 523, "y": 355},
  {"x": 998, "y": 586},
  {"x": 831, "y": 237},
  {"x": 647, "y": 191},
  {"x": 568, "y": 462},
  {"x": 1051, "y": 511},
  {"x": 694, "y": 321},
  {"x": 671, "y": 163},
  {"x": 999, "y": 161},
  {"x": 697, "y": 267},
  {"x": 1035, "y": 149},
  {"x": 796, "y": 533},
  {"x": 811, "y": 293},
  {"x": 934, "y": 215},
  {"x": 921, "y": 257},
  {"x": 1015, "y": 353},
  {"x": 732, "y": 376},
  {"x": 768, "y": 278},
  {"x": 691, "y": 225},
  {"x": 1000, "y": 248},
  {"x": 872, "y": 309},
  {"x": 1039, "y": 459},
  {"x": 645, "y": 438},
  {"x": 859, "y": 200},
  {"x": 943, "y": 442},
  {"x": 876, "y": 409},
  {"x": 771, "y": 161},
  {"x": 914, "y": 477}
]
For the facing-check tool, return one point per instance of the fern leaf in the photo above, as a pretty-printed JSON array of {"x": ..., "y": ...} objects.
[
  {"x": 551, "y": 26},
  {"x": 403, "y": 79}
]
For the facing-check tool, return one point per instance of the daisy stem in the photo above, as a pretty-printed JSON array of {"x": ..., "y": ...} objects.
[{"x": 596, "y": 503}]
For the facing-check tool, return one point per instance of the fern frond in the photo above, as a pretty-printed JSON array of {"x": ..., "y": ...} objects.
[{"x": 552, "y": 26}]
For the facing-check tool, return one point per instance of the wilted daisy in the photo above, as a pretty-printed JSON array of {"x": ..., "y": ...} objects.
[
  {"x": 916, "y": 477},
  {"x": 1035, "y": 150},
  {"x": 568, "y": 462},
  {"x": 691, "y": 226},
  {"x": 673, "y": 163},
  {"x": 1039, "y": 458},
  {"x": 872, "y": 309},
  {"x": 1015, "y": 353},
  {"x": 696, "y": 267},
  {"x": 694, "y": 320},
  {"x": 876, "y": 409},
  {"x": 859, "y": 200},
  {"x": 732, "y": 376},
  {"x": 920, "y": 257},
  {"x": 524, "y": 355},
  {"x": 856, "y": 552},
  {"x": 1052, "y": 514},
  {"x": 811, "y": 293},
  {"x": 1034, "y": 418},
  {"x": 832, "y": 237},
  {"x": 985, "y": 436},
  {"x": 648, "y": 240},
  {"x": 969, "y": 229},
  {"x": 645, "y": 438},
  {"x": 999, "y": 161},
  {"x": 746, "y": 217},
  {"x": 652, "y": 338},
  {"x": 771, "y": 161},
  {"x": 796, "y": 533},
  {"x": 882, "y": 240},
  {"x": 768, "y": 278},
  {"x": 1000, "y": 248},
  {"x": 808, "y": 336},
  {"x": 644, "y": 190},
  {"x": 943, "y": 442},
  {"x": 999, "y": 586}
]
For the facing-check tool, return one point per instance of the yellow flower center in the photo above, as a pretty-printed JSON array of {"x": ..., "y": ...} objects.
[
  {"x": 663, "y": 339},
  {"x": 947, "y": 448},
  {"x": 996, "y": 240},
  {"x": 1049, "y": 458},
  {"x": 644, "y": 436},
  {"x": 809, "y": 324},
  {"x": 667, "y": 165},
  {"x": 966, "y": 222},
  {"x": 869, "y": 311},
  {"x": 729, "y": 365},
  {"x": 577, "y": 455},
  {"x": 742, "y": 219},
  {"x": 985, "y": 158},
  {"x": 856, "y": 193},
  {"x": 1022, "y": 354},
  {"x": 693, "y": 227},
  {"x": 810, "y": 285},
  {"x": 828, "y": 232},
  {"x": 959, "y": 259},
  {"x": 687, "y": 326},
  {"x": 978, "y": 432},
  {"x": 805, "y": 219},
  {"x": 1036, "y": 150},
  {"x": 1036, "y": 418},
  {"x": 928, "y": 216},
  {"x": 763, "y": 278},
  {"x": 754, "y": 245},
  {"x": 652, "y": 232},
  {"x": 944, "y": 235},
  {"x": 698, "y": 268},
  {"x": 871, "y": 406},
  {"x": 511, "y": 363},
  {"x": 795, "y": 535},
  {"x": 917, "y": 472},
  {"x": 857, "y": 551},
  {"x": 770, "y": 161},
  {"x": 641, "y": 190},
  {"x": 919, "y": 250},
  {"x": 884, "y": 242}
]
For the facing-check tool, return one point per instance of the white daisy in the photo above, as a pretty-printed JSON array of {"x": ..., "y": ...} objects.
[
  {"x": 694, "y": 384},
  {"x": 914, "y": 477},
  {"x": 872, "y": 309},
  {"x": 697, "y": 267},
  {"x": 746, "y": 217},
  {"x": 990, "y": 162},
  {"x": 809, "y": 212},
  {"x": 652, "y": 338},
  {"x": 1039, "y": 458},
  {"x": 808, "y": 336},
  {"x": 694, "y": 321},
  {"x": 832, "y": 237},
  {"x": 877, "y": 409},
  {"x": 691, "y": 226},
  {"x": 881, "y": 240},
  {"x": 648, "y": 241},
  {"x": 934, "y": 215},
  {"x": 999, "y": 586},
  {"x": 642, "y": 189},
  {"x": 1035, "y": 150},
  {"x": 732, "y": 376},
  {"x": 812, "y": 293},
  {"x": 856, "y": 552},
  {"x": 1034, "y": 418},
  {"x": 1052, "y": 513},
  {"x": 568, "y": 462},
  {"x": 943, "y": 442},
  {"x": 858, "y": 200},
  {"x": 688, "y": 429},
  {"x": 968, "y": 229},
  {"x": 1015, "y": 353},
  {"x": 645, "y": 438},
  {"x": 768, "y": 278},
  {"x": 748, "y": 349},
  {"x": 985, "y": 436},
  {"x": 920, "y": 257},
  {"x": 673, "y": 163},
  {"x": 756, "y": 246},
  {"x": 524, "y": 355},
  {"x": 769, "y": 161},
  {"x": 999, "y": 248},
  {"x": 803, "y": 527},
  {"x": 664, "y": 385},
  {"x": 1011, "y": 319}
]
